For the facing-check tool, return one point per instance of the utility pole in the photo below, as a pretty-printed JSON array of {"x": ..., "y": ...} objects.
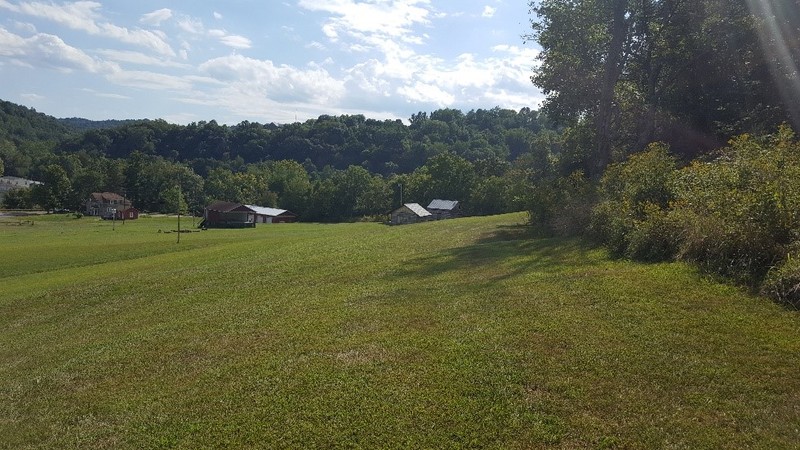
[
  {"x": 179, "y": 213},
  {"x": 124, "y": 200}
]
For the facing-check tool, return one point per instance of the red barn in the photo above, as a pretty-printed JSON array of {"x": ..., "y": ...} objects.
[{"x": 228, "y": 215}]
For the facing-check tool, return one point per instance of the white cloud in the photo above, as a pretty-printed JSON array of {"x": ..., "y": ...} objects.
[
  {"x": 501, "y": 79},
  {"x": 47, "y": 50},
  {"x": 427, "y": 93},
  {"x": 488, "y": 11},
  {"x": 389, "y": 17},
  {"x": 315, "y": 45},
  {"x": 367, "y": 77},
  {"x": 106, "y": 94},
  {"x": 155, "y": 40},
  {"x": 149, "y": 80},
  {"x": 131, "y": 57},
  {"x": 259, "y": 88},
  {"x": 32, "y": 97},
  {"x": 238, "y": 42},
  {"x": 84, "y": 16},
  {"x": 78, "y": 15},
  {"x": 11, "y": 44},
  {"x": 25, "y": 26},
  {"x": 196, "y": 27},
  {"x": 190, "y": 25},
  {"x": 156, "y": 17},
  {"x": 330, "y": 32},
  {"x": 217, "y": 15}
]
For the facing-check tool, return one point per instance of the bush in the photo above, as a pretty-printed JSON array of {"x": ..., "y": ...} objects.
[
  {"x": 783, "y": 283},
  {"x": 742, "y": 210},
  {"x": 562, "y": 206},
  {"x": 656, "y": 238},
  {"x": 611, "y": 227},
  {"x": 631, "y": 219}
]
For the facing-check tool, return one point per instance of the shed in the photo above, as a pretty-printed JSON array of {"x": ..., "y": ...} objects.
[
  {"x": 410, "y": 213},
  {"x": 222, "y": 214},
  {"x": 128, "y": 214},
  {"x": 445, "y": 209},
  {"x": 272, "y": 215}
]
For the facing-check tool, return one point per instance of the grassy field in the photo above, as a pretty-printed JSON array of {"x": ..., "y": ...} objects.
[{"x": 457, "y": 334}]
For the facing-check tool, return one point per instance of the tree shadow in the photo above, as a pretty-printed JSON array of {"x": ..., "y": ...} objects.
[{"x": 505, "y": 252}]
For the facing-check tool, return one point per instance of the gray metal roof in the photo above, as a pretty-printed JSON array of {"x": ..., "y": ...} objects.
[
  {"x": 264, "y": 211},
  {"x": 447, "y": 205},
  {"x": 222, "y": 206},
  {"x": 417, "y": 209}
]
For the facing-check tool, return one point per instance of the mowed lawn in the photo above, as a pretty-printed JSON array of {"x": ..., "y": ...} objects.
[{"x": 466, "y": 333}]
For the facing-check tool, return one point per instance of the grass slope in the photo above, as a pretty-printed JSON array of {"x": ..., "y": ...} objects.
[{"x": 462, "y": 333}]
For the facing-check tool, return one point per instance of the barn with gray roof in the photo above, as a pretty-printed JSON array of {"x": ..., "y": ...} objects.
[
  {"x": 444, "y": 209},
  {"x": 410, "y": 213}
]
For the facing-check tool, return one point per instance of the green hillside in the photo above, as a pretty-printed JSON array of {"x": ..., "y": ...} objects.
[
  {"x": 461, "y": 333},
  {"x": 19, "y": 123}
]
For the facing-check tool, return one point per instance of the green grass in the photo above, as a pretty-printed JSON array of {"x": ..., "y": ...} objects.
[{"x": 453, "y": 334}]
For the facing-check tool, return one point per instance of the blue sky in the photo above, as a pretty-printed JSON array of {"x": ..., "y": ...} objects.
[{"x": 264, "y": 61}]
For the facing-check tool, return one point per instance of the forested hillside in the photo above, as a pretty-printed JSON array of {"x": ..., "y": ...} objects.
[
  {"x": 80, "y": 124},
  {"x": 19, "y": 124},
  {"x": 331, "y": 168}
]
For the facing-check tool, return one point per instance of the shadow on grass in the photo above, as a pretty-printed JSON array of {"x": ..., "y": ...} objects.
[{"x": 503, "y": 253}]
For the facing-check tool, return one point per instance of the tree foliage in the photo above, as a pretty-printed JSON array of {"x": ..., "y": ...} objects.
[{"x": 689, "y": 73}]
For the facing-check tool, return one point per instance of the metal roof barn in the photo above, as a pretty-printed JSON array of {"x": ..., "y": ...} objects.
[
  {"x": 410, "y": 213},
  {"x": 272, "y": 215},
  {"x": 445, "y": 209}
]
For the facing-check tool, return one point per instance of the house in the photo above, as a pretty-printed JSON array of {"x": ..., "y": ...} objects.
[
  {"x": 222, "y": 214},
  {"x": 105, "y": 204},
  {"x": 9, "y": 183},
  {"x": 444, "y": 209},
  {"x": 410, "y": 213},
  {"x": 272, "y": 215}
]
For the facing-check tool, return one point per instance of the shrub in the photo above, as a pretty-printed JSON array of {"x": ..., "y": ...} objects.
[
  {"x": 562, "y": 206},
  {"x": 610, "y": 226},
  {"x": 783, "y": 283},
  {"x": 631, "y": 219},
  {"x": 742, "y": 210},
  {"x": 656, "y": 238}
]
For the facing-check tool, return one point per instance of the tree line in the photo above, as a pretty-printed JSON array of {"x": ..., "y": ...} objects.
[{"x": 332, "y": 168}]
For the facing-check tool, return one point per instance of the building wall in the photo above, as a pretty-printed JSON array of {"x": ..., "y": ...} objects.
[
  {"x": 284, "y": 219},
  {"x": 404, "y": 215},
  {"x": 95, "y": 208},
  {"x": 233, "y": 219}
]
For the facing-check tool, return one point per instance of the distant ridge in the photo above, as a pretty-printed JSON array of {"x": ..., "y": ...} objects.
[
  {"x": 80, "y": 124},
  {"x": 20, "y": 123}
]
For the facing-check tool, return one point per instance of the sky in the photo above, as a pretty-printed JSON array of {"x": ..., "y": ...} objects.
[{"x": 264, "y": 61}]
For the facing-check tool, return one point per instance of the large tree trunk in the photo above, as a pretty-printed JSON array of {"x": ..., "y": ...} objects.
[{"x": 612, "y": 68}]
